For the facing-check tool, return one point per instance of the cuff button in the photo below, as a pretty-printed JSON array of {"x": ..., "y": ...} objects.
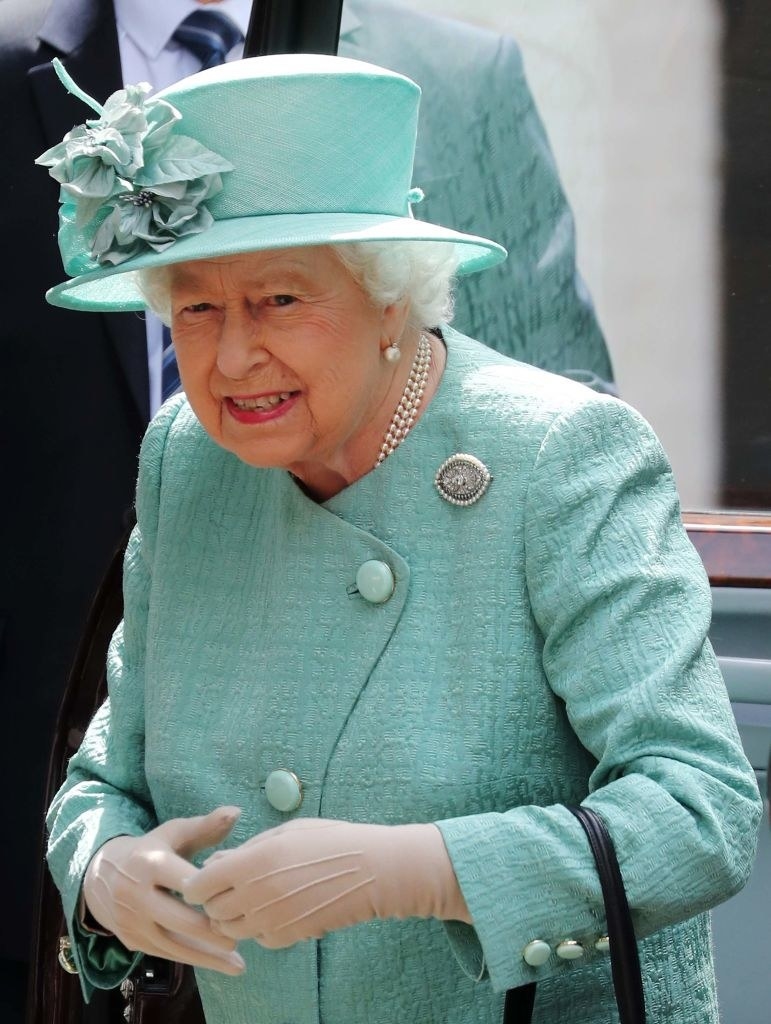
[
  {"x": 569, "y": 949},
  {"x": 536, "y": 953}
]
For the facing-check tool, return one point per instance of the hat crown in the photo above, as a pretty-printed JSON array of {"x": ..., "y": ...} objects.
[
  {"x": 265, "y": 153},
  {"x": 306, "y": 133}
]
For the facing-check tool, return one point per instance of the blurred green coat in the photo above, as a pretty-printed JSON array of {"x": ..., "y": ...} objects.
[
  {"x": 543, "y": 646},
  {"x": 484, "y": 163}
]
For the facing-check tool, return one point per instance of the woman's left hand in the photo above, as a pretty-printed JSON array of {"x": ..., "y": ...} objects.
[{"x": 313, "y": 876}]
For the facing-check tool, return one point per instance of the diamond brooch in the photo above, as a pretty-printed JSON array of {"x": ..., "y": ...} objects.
[{"x": 462, "y": 479}]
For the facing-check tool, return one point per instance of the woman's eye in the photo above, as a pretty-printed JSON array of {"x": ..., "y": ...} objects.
[
  {"x": 198, "y": 307},
  {"x": 281, "y": 300}
]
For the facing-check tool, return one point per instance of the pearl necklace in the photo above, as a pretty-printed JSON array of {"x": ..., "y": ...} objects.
[{"x": 407, "y": 409}]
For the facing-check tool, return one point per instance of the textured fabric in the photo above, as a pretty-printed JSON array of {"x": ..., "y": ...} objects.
[
  {"x": 542, "y": 646},
  {"x": 484, "y": 163}
]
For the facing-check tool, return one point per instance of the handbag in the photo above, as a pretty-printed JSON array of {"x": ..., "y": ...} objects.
[
  {"x": 161, "y": 992},
  {"x": 624, "y": 955}
]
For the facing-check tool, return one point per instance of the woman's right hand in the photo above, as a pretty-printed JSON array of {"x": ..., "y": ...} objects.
[{"x": 130, "y": 884}]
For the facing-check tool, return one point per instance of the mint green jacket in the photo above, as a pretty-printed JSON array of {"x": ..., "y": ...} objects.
[{"x": 543, "y": 646}]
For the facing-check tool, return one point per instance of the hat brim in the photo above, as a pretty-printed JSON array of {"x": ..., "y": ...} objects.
[{"x": 114, "y": 289}]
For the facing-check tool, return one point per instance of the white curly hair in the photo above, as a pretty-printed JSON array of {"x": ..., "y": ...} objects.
[{"x": 421, "y": 272}]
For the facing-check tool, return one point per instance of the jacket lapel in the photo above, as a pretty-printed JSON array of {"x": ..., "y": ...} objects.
[
  {"x": 83, "y": 34},
  {"x": 351, "y": 35},
  {"x": 350, "y": 23}
]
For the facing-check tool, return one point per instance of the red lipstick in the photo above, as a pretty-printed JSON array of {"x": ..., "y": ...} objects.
[{"x": 262, "y": 408}]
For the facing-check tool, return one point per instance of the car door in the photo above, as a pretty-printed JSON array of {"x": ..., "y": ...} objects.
[{"x": 736, "y": 550}]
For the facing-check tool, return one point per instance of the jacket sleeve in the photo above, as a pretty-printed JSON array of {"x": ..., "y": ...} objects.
[
  {"x": 623, "y": 605},
  {"x": 105, "y": 793}
]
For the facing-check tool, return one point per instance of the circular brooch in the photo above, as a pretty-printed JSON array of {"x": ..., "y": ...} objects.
[{"x": 462, "y": 479}]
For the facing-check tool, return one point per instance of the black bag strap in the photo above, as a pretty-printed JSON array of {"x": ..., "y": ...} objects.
[
  {"x": 624, "y": 955},
  {"x": 518, "y": 1006}
]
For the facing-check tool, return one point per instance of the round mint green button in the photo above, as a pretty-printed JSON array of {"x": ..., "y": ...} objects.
[
  {"x": 375, "y": 581},
  {"x": 283, "y": 790},
  {"x": 569, "y": 949},
  {"x": 536, "y": 953}
]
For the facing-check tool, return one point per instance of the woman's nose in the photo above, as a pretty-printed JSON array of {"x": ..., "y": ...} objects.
[{"x": 241, "y": 348}]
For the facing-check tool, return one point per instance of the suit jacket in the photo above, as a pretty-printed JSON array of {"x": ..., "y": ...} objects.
[
  {"x": 75, "y": 390},
  {"x": 73, "y": 408},
  {"x": 484, "y": 163},
  {"x": 543, "y": 646}
]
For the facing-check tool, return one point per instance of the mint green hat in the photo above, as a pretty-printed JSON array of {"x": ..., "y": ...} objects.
[{"x": 265, "y": 153}]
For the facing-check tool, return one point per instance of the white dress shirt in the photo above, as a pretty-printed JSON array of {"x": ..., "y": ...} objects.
[{"x": 148, "y": 54}]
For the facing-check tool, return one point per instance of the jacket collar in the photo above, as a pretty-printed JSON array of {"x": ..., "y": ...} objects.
[
  {"x": 349, "y": 22},
  {"x": 69, "y": 22}
]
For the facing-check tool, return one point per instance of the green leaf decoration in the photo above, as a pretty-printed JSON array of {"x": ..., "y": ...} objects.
[
  {"x": 129, "y": 182},
  {"x": 183, "y": 159}
]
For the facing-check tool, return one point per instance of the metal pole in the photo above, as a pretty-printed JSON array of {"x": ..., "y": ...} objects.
[{"x": 293, "y": 26}]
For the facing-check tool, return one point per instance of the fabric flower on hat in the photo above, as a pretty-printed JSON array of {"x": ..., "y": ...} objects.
[{"x": 129, "y": 182}]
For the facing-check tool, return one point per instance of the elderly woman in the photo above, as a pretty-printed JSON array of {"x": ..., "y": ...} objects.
[{"x": 392, "y": 601}]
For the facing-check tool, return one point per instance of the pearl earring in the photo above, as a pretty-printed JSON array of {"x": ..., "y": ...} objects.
[{"x": 392, "y": 354}]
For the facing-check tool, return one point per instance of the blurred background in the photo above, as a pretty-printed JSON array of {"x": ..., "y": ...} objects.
[{"x": 659, "y": 118}]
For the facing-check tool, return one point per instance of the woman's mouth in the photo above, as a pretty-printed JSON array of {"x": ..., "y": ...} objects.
[
  {"x": 262, "y": 401},
  {"x": 260, "y": 408}
]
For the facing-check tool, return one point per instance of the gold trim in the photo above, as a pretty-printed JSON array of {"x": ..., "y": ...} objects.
[{"x": 65, "y": 957}]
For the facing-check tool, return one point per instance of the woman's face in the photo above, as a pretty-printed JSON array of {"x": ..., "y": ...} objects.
[{"x": 280, "y": 355}]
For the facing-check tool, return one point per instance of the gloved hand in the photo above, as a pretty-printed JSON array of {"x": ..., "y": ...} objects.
[
  {"x": 313, "y": 876},
  {"x": 129, "y": 884}
]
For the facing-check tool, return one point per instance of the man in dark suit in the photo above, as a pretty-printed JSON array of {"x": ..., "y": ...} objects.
[
  {"x": 73, "y": 406},
  {"x": 75, "y": 391}
]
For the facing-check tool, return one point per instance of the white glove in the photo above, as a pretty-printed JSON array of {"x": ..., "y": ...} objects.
[
  {"x": 313, "y": 876},
  {"x": 129, "y": 889}
]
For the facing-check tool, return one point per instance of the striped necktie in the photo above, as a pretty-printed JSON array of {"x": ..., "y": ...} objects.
[
  {"x": 170, "y": 382},
  {"x": 209, "y": 35}
]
